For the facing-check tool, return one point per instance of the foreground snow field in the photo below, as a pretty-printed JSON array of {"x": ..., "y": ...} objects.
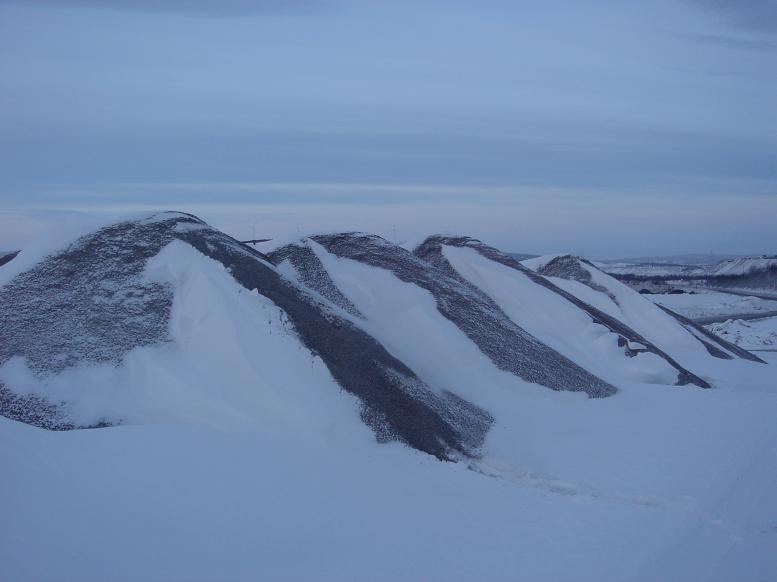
[
  {"x": 284, "y": 416},
  {"x": 654, "y": 483}
]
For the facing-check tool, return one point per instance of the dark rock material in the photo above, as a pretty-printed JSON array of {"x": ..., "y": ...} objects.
[
  {"x": 431, "y": 250},
  {"x": 8, "y": 257},
  {"x": 508, "y": 346},
  {"x": 569, "y": 267},
  {"x": 312, "y": 274},
  {"x": 90, "y": 303}
]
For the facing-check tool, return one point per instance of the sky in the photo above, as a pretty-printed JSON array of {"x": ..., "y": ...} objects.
[{"x": 607, "y": 129}]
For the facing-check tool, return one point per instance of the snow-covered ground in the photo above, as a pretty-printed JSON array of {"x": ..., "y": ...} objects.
[
  {"x": 706, "y": 303},
  {"x": 655, "y": 483},
  {"x": 242, "y": 459},
  {"x": 755, "y": 334}
]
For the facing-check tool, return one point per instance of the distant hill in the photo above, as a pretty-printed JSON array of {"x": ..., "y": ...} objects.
[
  {"x": 689, "y": 259},
  {"x": 522, "y": 256}
]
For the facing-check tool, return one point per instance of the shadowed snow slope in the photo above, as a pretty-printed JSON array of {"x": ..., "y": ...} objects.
[{"x": 167, "y": 319}]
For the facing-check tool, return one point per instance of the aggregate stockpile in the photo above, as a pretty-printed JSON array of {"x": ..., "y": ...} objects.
[{"x": 165, "y": 319}]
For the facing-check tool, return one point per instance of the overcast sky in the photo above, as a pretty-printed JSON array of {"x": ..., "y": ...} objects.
[{"x": 619, "y": 128}]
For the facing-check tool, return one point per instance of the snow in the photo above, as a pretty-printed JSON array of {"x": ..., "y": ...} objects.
[
  {"x": 730, "y": 267},
  {"x": 664, "y": 484},
  {"x": 57, "y": 236},
  {"x": 232, "y": 361},
  {"x": 745, "y": 266},
  {"x": 241, "y": 459},
  {"x": 639, "y": 313},
  {"x": 755, "y": 334},
  {"x": 556, "y": 321},
  {"x": 653, "y": 270},
  {"x": 705, "y": 303},
  {"x": 539, "y": 262}
]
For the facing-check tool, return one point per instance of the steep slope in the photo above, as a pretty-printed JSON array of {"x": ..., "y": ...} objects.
[
  {"x": 669, "y": 331},
  {"x": 369, "y": 266},
  {"x": 109, "y": 304},
  {"x": 585, "y": 334}
]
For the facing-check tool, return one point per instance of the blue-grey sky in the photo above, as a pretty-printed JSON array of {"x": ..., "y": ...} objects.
[{"x": 605, "y": 128}]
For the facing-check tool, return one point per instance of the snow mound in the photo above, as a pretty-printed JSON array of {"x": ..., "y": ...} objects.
[
  {"x": 592, "y": 338},
  {"x": 164, "y": 319},
  {"x": 411, "y": 305},
  {"x": 674, "y": 334}
]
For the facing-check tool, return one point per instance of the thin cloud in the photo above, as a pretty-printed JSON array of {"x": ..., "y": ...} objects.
[
  {"x": 756, "y": 15},
  {"x": 733, "y": 42},
  {"x": 193, "y": 8}
]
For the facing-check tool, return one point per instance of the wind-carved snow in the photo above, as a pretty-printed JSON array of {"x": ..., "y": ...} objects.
[
  {"x": 550, "y": 311},
  {"x": 560, "y": 323},
  {"x": 509, "y": 347},
  {"x": 669, "y": 331}
]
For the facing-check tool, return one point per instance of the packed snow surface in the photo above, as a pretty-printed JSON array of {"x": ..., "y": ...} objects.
[{"x": 651, "y": 484}]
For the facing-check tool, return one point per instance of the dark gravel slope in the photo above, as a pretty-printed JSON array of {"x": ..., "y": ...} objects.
[
  {"x": 90, "y": 303},
  {"x": 508, "y": 346},
  {"x": 431, "y": 250}
]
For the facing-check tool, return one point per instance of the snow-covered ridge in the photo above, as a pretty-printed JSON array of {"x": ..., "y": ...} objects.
[
  {"x": 669, "y": 330},
  {"x": 566, "y": 320},
  {"x": 745, "y": 266},
  {"x": 509, "y": 347}
]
